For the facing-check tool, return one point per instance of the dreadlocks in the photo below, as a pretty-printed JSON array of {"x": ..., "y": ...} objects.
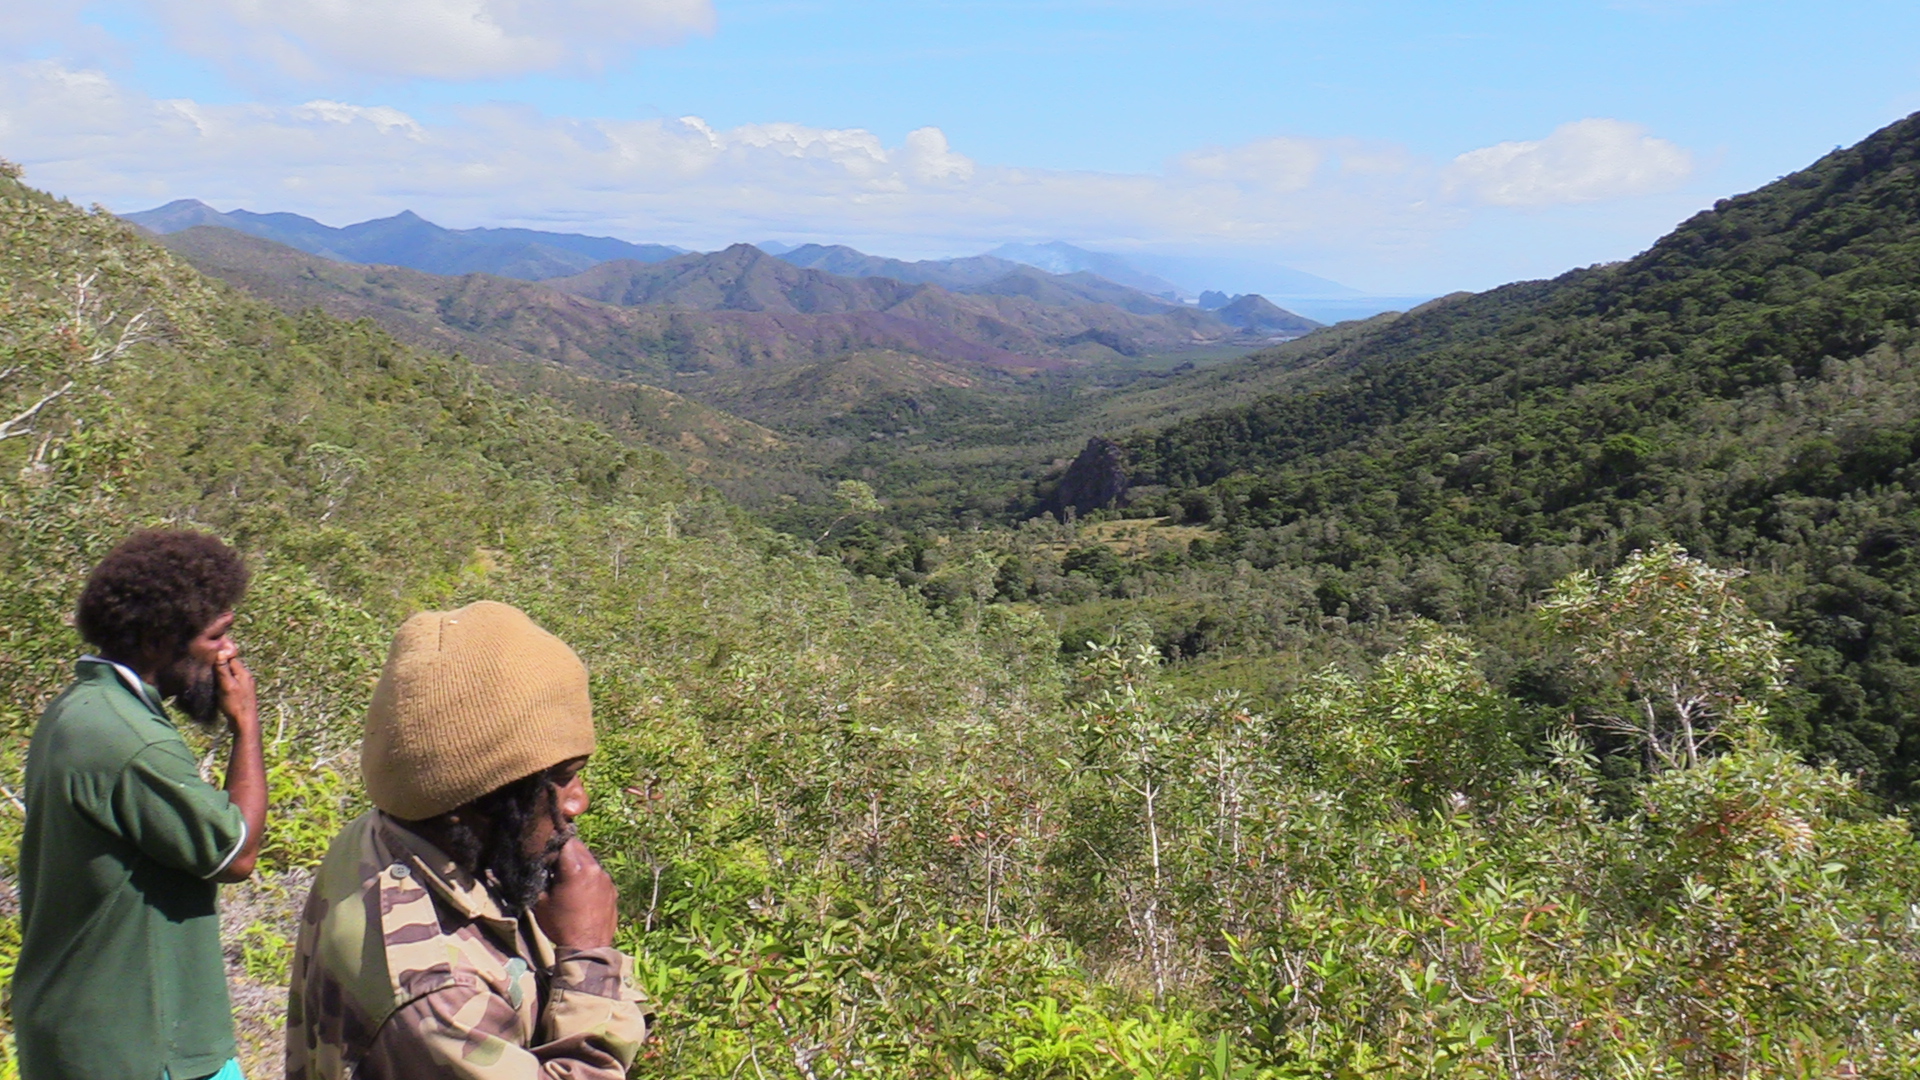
[{"x": 488, "y": 836}]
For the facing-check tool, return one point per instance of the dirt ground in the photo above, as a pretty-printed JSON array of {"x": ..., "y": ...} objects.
[{"x": 258, "y": 922}]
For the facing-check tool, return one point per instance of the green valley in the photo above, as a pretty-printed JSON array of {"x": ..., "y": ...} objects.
[{"x": 1526, "y": 685}]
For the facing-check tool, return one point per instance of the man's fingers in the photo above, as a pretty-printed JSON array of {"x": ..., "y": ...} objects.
[
  {"x": 581, "y": 909},
  {"x": 234, "y": 677},
  {"x": 576, "y": 859},
  {"x": 237, "y": 690}
]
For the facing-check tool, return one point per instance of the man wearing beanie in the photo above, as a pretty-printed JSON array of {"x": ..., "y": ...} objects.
[{"x": 461, "y": 929}]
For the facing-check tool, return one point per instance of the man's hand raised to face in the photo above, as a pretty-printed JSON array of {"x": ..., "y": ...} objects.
[
  {"x": 238, "y": 694},
  {"x": 581, "y": 908},
  {"x": 246, "y": 767}
]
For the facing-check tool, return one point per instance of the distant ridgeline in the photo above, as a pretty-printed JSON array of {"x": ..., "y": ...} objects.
[
  {"x": 406, "y": 239},
  {"x": 650, "y": 310},
  {"x": 1748, "y": 387}
]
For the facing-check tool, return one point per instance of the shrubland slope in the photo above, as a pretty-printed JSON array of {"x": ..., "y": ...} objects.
[
  {"x": 364, "y": 480},
  {"x": 859, "y": 830}
]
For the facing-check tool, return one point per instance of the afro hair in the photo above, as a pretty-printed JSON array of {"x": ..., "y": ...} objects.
[{"x": 157, "y": 591}]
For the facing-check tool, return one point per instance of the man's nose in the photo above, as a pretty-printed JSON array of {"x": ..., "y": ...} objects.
[{"x": 573, "y": 799}]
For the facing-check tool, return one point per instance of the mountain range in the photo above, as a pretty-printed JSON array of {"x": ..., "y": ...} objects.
[
  {"x": 1023, "y": 310},
  {"x": 739, "y": 307},
  {"x": 407, "y": 239}
]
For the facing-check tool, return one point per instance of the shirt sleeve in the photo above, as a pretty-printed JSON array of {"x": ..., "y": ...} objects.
[
  {"x": 162, "y": 806},
  {"x": 592, "y": 1029}
]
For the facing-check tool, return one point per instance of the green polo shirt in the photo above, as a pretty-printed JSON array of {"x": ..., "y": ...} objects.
[{"x": 120, "y": 974}]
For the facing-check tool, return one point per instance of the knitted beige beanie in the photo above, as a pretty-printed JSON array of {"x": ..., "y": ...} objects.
[{"x": 470, "y": 700}]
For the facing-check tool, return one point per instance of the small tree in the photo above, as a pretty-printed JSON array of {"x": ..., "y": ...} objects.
[
  {"x": 855, "y": 497},
  {"x": 1425, "y": 731},
  {"x": 1138, "y": 747},
  {"x": 1666, "y": 635}
]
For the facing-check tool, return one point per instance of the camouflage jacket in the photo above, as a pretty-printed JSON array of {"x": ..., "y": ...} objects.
[{"x": 407, "y": 969}]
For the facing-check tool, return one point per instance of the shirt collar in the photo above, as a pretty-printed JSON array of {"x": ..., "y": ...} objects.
[
  {"x": 148, "y": 695},
  {"x": 461, "y": 890}
]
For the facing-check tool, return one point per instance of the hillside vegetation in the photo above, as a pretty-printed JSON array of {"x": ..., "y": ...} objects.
[
  {"x": 869, "y": 818},
  {"x": 1746, "y": 388},
  {"x": 365, "y": 480}
]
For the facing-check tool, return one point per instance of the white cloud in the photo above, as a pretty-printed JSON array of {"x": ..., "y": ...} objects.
[
  {"x": 383, "y": 119},
  {"x": 928, "y": 157},
  {"x": 1280, "y": 164},
  {"x": 440, "y": 39},
  {"x": 1585, "y": 161},
  {"x": 1329, "y": 205},
  {"x": 28, "y": 21}
]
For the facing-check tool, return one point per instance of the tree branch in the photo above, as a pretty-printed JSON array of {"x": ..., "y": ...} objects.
[{"x": 23, "y": 423}]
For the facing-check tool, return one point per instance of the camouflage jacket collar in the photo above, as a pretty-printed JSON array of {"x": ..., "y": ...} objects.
[
  {"x": 407, "y": 968},
  {"x": 453, "y": 886}
]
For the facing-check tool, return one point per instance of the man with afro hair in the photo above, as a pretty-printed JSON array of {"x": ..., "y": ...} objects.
[{"x": 120, "y": 972}]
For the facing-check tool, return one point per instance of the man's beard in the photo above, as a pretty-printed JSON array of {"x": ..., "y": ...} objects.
[
  {"x": 194, "y": 692},
  {"x": 520, "y": 878},
  {"x": 490, "y": 842}
]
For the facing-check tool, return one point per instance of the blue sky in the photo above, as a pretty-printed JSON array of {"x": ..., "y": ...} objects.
[{"x": 1404, "y": 148}]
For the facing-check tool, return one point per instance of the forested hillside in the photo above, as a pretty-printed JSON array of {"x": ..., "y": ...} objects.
[
  {"x": 868, "y": 816},
  {"x": 365, "y": 480},
  {"x": 1747, "y": 388}
]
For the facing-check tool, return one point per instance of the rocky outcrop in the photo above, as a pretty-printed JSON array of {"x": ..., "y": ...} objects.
[
  {"x": 1257, "y": 314},
  {"x": 1096, "y": 480}
]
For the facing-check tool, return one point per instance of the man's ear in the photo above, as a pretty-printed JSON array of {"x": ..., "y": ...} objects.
[
  {"x": 150, "y": 661},
  {"x": 158, "y": 656}
]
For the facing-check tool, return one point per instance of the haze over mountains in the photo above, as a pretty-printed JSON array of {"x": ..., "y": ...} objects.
[
  {"x": 1297, "y": 291},
  {"x": 408, "y": 240},
  {"x": 1062, "y": 258},
  {"x": 627, "y": 318}
]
